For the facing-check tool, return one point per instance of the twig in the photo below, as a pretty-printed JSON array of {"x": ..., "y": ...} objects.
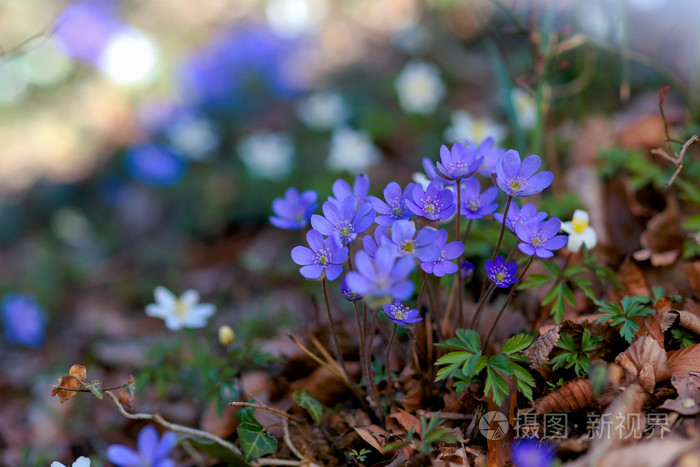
[
  {"x": 313, "y": 356},
  {"x": 334, "y": 335},
  {"x": 288, "y": 441},
  {"x": 277, "y": 412},
  {"x": 676, "y": 160},
  {"x": 156, "y": 417},
  {"x": 389, "y": 382}
]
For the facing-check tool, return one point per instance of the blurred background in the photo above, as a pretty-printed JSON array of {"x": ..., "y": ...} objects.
[{"x": 142, "y": 143}]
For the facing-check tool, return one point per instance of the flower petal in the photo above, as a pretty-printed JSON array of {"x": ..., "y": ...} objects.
[
  {"x": 529, "y": 166},
  {"x": 189, "y": 298},
  {"x": 303, "y": 256},
  {"x": 164, "y": 297},
  {"x": 121, "y": 455},
  {"x": 313, "y": 271}
]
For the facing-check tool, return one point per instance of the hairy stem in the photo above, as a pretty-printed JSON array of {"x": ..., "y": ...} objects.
[{"x": 389, "y": 382}]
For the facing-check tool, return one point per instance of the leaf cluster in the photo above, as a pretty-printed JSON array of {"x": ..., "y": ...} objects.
[
  {"x": 466, "y": 362},
  {"x": 431, "y": 431},
  {"x": 623, "y": 314},
  {"x": 574, "y": 356}
]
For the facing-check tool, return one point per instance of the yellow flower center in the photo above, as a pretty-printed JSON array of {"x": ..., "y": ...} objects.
[
  {"x": 180, "y": 308},
  {"x": 579, "y": 224},
  {"x": 430, "y": 208}
]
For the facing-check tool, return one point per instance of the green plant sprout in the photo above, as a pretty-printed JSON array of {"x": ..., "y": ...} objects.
[
  {"x": 623, "y": 314},
  {"x": 572, "y": 357}
]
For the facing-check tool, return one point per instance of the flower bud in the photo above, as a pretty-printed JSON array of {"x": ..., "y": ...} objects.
[{"x": 226, "y": 335}]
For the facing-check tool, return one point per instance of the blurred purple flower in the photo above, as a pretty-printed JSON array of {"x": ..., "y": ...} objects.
[
  {"x": 294, "y": 210},
  {"x": 448, "y": 251},
  {"x": 346, "y": 219},
  {"x": 492, "y": 156},
  {"x": 324, "y": 256},
  {"x": 403, "y": 235},
  {"x": 516, "y": 178},
  {"x": 360, "y": 189},
  {"x": 381, "y": 237},
  {"x": 155, "y": 165},
  {"x": 467, "y": 269},
  {"x": 24, "y": 320},
  {"x": 347, "y": 292},
  {"x": 518, "y": 215},
  {"x": 84, "y": 28},
  {"x": 501, "y": 274},
  {"x": 475, "y": 204},
  {"x": 540, "y": 238},
  {"x": 152, "y": 450},
  {"x": 383, "y": 278},
  {"x": 394, "y": 208},
  {"x": 436, "y": 202},
  {"x": 529, "y": 452},
  {"x": 459, "y": 162},
  {"x": 401, "y": 314}
]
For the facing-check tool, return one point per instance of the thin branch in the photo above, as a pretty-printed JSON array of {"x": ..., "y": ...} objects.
[{"x": 277, "y": 412}]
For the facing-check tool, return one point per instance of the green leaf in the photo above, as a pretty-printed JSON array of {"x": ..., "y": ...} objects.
[
  {"x": 572, "y": 271},
  {"x": 523, "y": 380},
  {"x": 495, "y": 385},
  {"x": 470, "y": 338},
  {"x": 551, "y": 268},
  {"x": 516, "y": 344},
  {"x": 311, "y": 405},
  {"x": 217, "y": 451},
  {"x": 566, "y": 342},
  {"x": 245, "y": 415},
  {"x": 95, "y": 387},
  {"x": 535, "y": 281},
  {"x": 254, "y": 441}
]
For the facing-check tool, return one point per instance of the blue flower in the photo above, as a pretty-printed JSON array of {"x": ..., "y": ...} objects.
[
  {"x": 467, "y": 269},
  {"x": 84, "y": 28},
  {"x": 516, "y": 178},
  {"x": 324, "y": 257},
  {"x": 345, "y": 219},
  {"x": 539, "y": 238},
  {"x": 403, "y": 235},
  {"x": 347, "y": 292},
  {"x": 436, "y": 202},
  {"x": 460, "y": 162},
  {"x": 518, "y": 215},
  {"x": 381, "y": 237},
  {"x": 501, "y": 274},
  {"x": 294, "y": 210},
  {"x": 401, "y": 314},
  {"x": 383, "y": 278},
  {"x": 152, "y": 450},
  {"x": 395, "y": 207},
  {"x": 24, "y": 320},
  {"x": 155, "y": 165},
  {"x": 493, "y": 156},
  {"x": 448, "y": 251},
  {"x": 475, "y": 204},
  {"x": 360, "y": 189},
  {"x": 530, "y": 453}
]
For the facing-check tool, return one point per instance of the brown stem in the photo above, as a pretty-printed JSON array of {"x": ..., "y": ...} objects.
[
  {"x": 503, "y": 228},
  {"x": 389, "y": 382},
  {"x": 460, "y": 286},
  {"x": 334, "y": 335}
]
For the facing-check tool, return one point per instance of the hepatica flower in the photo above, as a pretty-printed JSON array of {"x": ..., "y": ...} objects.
[
  {"x": 435, "y": 202},
  {"x": 381, "y": 237},
  {"x": 448, "y": 251},
  {"x": 155, "y": 165},
  {"x": 580, "y": 233},
  {"x": 540, "y": 238},
  {"x": 502, "y": 274},
  {"x": 346, "y": 219},
  {"x": 152, "y": 450},
  {"x": 466, "y": 126},
  {"x": 325, "y": 257},
  {"x": 294, "y": 210},
  {"x": 403, "y": 235},
  {"x": 518, "y": 216},
  {"x": 360, "y": 189},
  {"x": 459, "y": 162},
  {"x": 467, "y": 269},
  {"x": 419, "y": 87},
  {"x": 347, "y": 292},
  {"x": 81, "y": 461},
  {"x": 394, "y": 209},
  {"x": 401, "y": 314},
  {"x": 24, "y": 320},
  {"x": 530, "y": 453},
  {"x": 382, "y": 278},
  {"x": 516, "y": 178},
  {"x": 476, "y": 204},
  {"x": 493, "y": 156},
  {"x": 180, "y": 312}
]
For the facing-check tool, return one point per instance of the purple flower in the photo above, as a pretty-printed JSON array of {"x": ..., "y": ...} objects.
[
  {"x": 400, "y": 313},
  {"x": 436, "y": 202},
  {"x": 492, "y": 156},
  {"x": 529, "y": 452},
  {"x": 475, "y": 204},
  {"x": 539, "y": 238},
  {"x": 152, "y": 451},
  {"x": 395, "y": 207},
  {"x": 84, "y": 28},
  {"x": 459, "y": 162},
  {"x": 448, "y": 251},
  {"x": 346, "y": 219},
  {"x": 347, "y": 292},
  {"x": 360, "y": 189},
  {"x": 403, "y": 235},
  {"x": 518, "y": 215},
  {"x": 382, "y": 278},
  {"x": 501, "y": 274},
  {"x": 294, "y": 210},
  {"x": 467, "y": 269},
  {"x": 24, "y": 320},
  {"x": 517, "y": 178},
  {"x": 323, "y": 256},
  {"x": 381, "y": 237},
  {"x": 155, "y": 165}
]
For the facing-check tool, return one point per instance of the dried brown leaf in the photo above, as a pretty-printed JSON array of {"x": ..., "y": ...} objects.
[
  {"x": 624, "y": 420},
  {"x": 682, "y": 362},
  {"x": 653, "y": 327},
  {"x": 692, "y": 272},
  {"x": 126, "y": 393},
  {"x": 74, "y": 380},
  {"x": 646, "y": 361},
  {"x": 656, "y": 453},
  {"x": 407, "y": 420},
  {"x": 573, "y": 396},
  {"x": 664, "y": 235},
  {"x": 539, "y": 351},
  {"x": 644, "y": 133},
  {"x": 632, "y": 279},
  {"x": 688, "y": 400},
  {"x": 685, "y": 319},
  {"x": 374, "y": 435},
  {"x": 450, "y": 456}
]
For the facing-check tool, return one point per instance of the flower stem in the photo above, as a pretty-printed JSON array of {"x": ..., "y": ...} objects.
[
  {"x": 371, "y": 385},
  {"x": 460, "y": 286},
  {"x": 510, "y": 297},
  {"x": 465, "y": 236},
  {"x": 480, "y": 306},
  {"x": 334, "y": 335},
  {"x": 503, "y": 228},
  {"x": 389, "y": 382}
]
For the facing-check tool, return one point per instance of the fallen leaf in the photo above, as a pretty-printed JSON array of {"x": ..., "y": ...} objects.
[
  {"x": 126, "y": 393},
  {"x": 655, "y": 453},
  {"x": 644, "y": 133},
  {"x": 684, "y": 319},
  {"x": 498, "y": 452},
  {"x": 646, "y": 361},
  {"x": 373, "y": 435},
  {"x": 664, "y": 235},
  {"x": 622, "y": 421},
  {"x": 451, "y": 456},
  {"x": 407, "y": 420},
  {"x": 74, "y": 380},
  {"x": 682, "y": 362},
  {"x": 539, "y": 351},
  {"x": 632, "y": 279},
  {"x": 653, "y": 327},
  {"x": 571, "y": 397},
  {"x": 692, "y": 272},
  {"x": 688, "y": 400}
]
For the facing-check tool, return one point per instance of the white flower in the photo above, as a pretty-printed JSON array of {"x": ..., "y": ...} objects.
[
  {"x": 465, "y": 126},
  {"x": 193, "y": 136},
  {"x": 267, "y": 155},
  {"x": 419, "y": 87},
  {"x": 352, "y": 151},
  {"x": 525, "y": 108},
  {"x": 580, "y": 233},
  {"x": 177, "y": 313},
  {"x": 323, "y": 110},
  {"x": 79, "y": 462}
]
